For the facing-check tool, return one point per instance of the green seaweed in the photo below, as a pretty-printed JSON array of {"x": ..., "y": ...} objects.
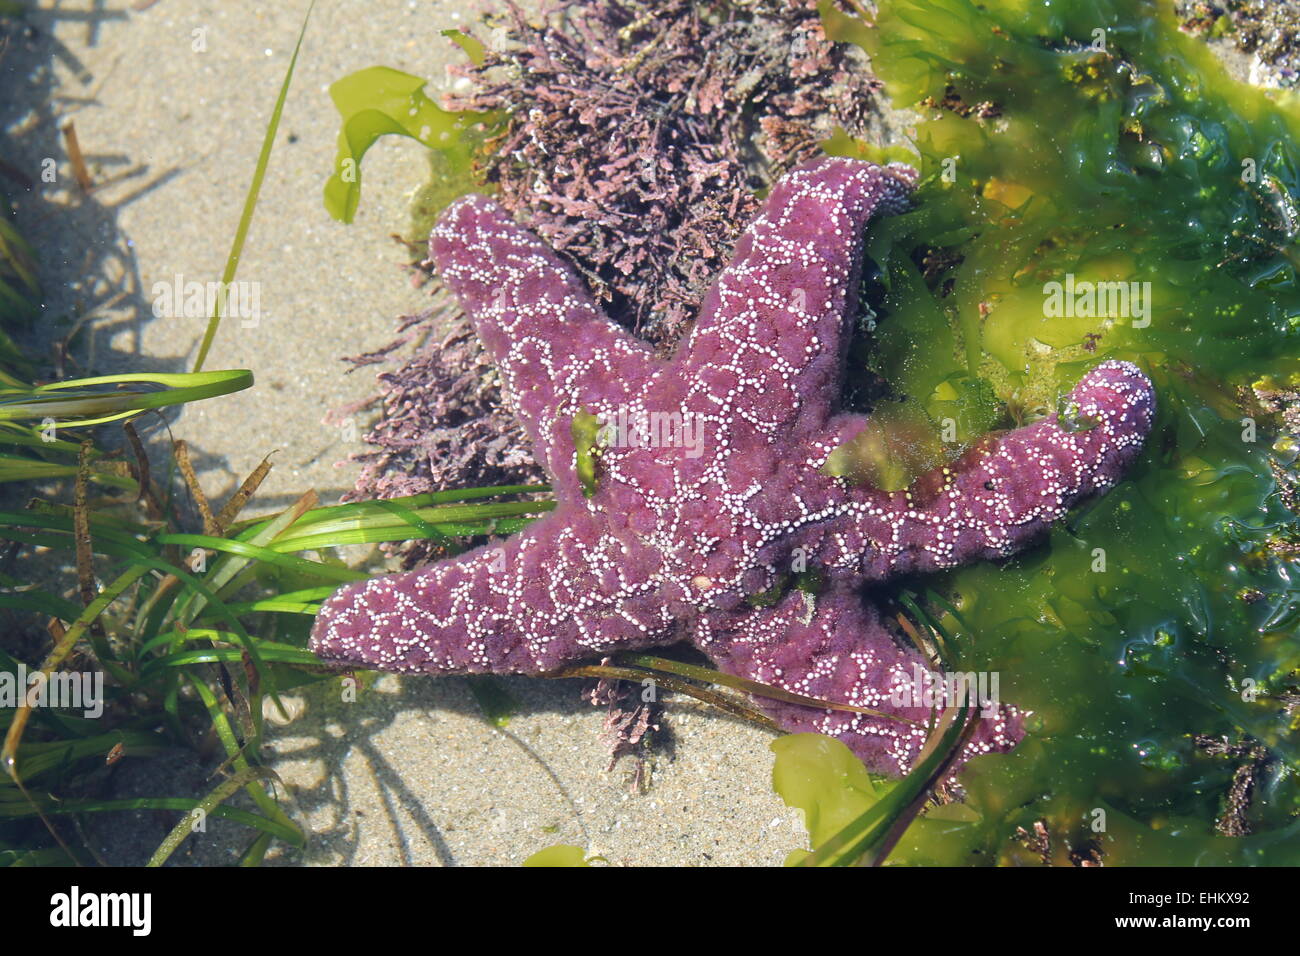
[
  {"x": 587, "y": 435},
  {"x": 821, "y": 777},
  {"x": 1093, "y": 139},
  {"x": 562, "y": 854},
  {"x": 379, "y": 101}
]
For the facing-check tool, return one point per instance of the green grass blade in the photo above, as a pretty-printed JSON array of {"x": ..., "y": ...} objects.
[
  {"x": 49, "y": 807},
  {"x": 77, "y": 404},
  {"x": 225, "y": 733},
  {"x": 224, "y": 791},
  {"x": 250, "y": 200}
]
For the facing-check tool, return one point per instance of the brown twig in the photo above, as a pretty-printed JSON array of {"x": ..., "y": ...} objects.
[{"x": 73, "y": 146}]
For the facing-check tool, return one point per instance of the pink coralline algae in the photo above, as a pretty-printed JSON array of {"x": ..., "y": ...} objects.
[{"x": 703, "y": 509}]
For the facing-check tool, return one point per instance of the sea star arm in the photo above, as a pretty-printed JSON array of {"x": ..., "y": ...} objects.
[
  {"x": 766, "y": 356},
  {"x": 832, "y": 646},
  {"x": 1006, "y": 490},
  {"x": 555, "y": 593},
  {"x": 557, "y": 352}
]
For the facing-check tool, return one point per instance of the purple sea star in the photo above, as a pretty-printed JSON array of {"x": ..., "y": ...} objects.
[{"x": 715, "y": 492}]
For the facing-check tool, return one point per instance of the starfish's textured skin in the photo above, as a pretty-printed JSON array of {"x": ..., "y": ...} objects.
[{"x": 686, "y": 526}]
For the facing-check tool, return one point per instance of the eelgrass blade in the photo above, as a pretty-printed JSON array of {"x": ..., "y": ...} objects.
[
  {"x": 250, "y": 199},
  {"x": 256, "y": 851},
  {"x": 269, "y": 651},
  {"x": 235, "y": 754},
  {"x": 228, "y": 566},
  {"x": 226, "y": 789},
  {"x": 54, "y": 808},
  {"x": 79, "y": 403},
  {"x": 426, "y": 500},
  {"x": 723, "y": 702},
  {"x": 9, "y": 752},
  {"x": 751, "y": 686},
  {"x": 306, "y": 601}
]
